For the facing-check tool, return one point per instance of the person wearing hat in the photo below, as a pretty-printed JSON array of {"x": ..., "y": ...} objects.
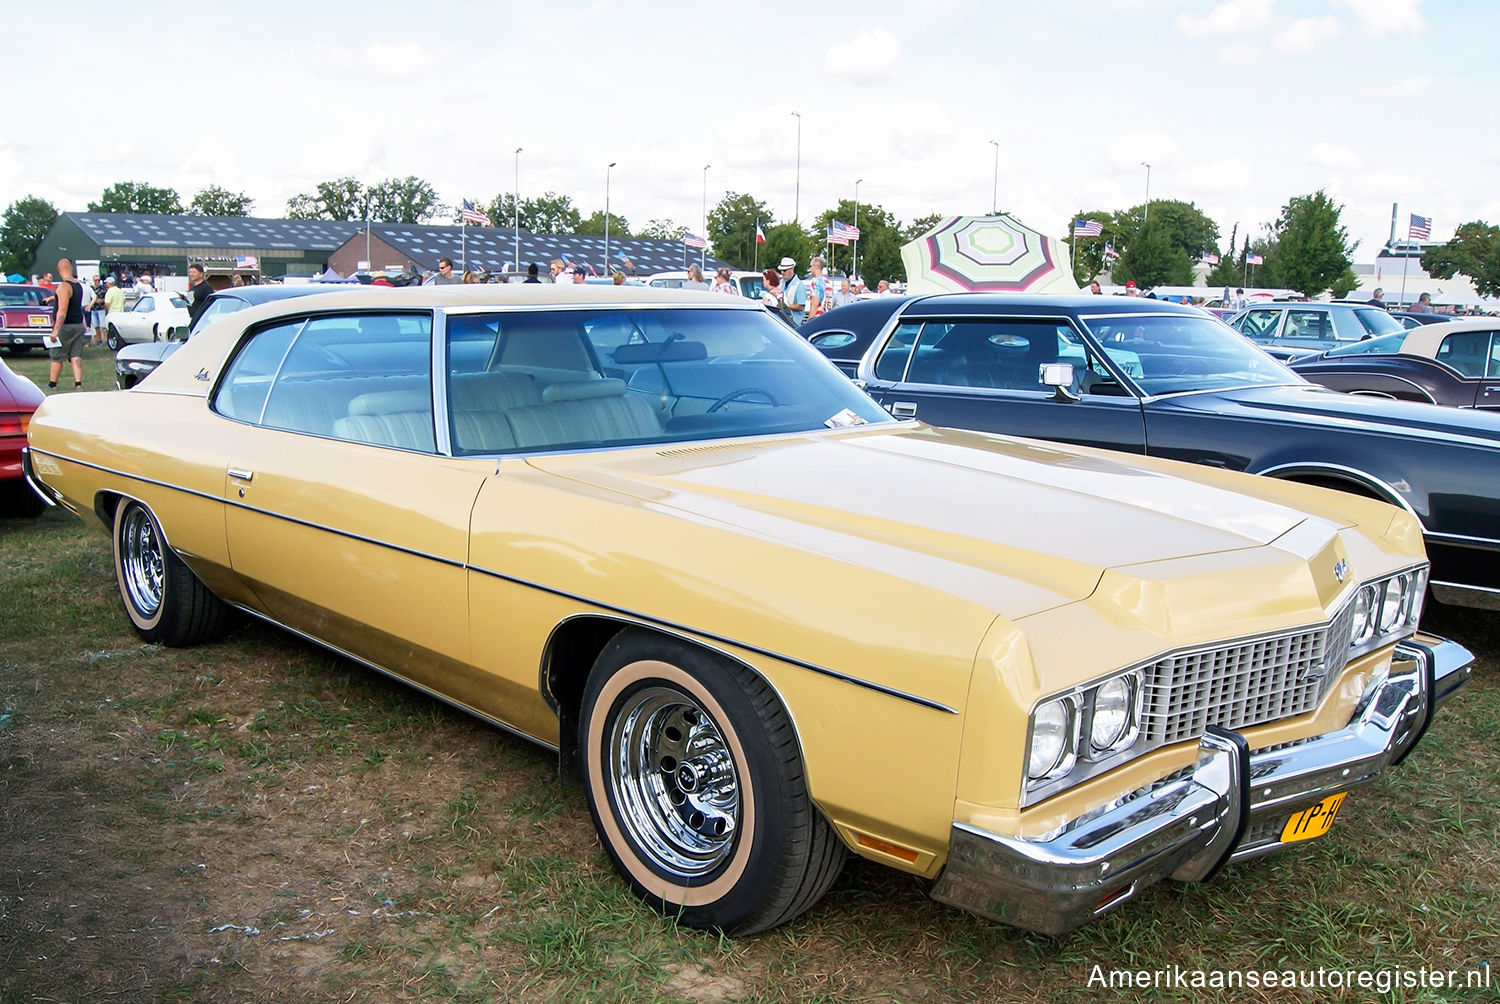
[
  {"x": 722, "y": 283},
  {"x": 114, "y": 303},
  {"x": 1131, "y": 289},
  {"x": 793, "y": 290}
]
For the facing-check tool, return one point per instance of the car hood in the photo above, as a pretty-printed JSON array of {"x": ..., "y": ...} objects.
[
  {"x": 1015, "y": 525},
  {"x": 1327, "y": 408},
  {"x": 153, "y": 352}
]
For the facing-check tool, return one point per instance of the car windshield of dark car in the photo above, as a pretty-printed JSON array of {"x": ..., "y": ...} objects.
[
  {"x": 1385, "y": 345},
  {"x": 1177, "y": 353},
  {"x": 528, "y": 380}
]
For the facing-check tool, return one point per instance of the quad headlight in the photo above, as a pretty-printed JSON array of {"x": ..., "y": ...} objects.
[
  {"x": 1386, "y": 609},
  {"x": 1093, "y": 723}
]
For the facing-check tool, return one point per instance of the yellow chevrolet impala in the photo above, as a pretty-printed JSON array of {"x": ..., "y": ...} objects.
[{"x": 766, "y": 624}]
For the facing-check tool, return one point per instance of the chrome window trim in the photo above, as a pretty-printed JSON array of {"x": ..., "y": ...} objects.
[{"x": 442, "y": 421}]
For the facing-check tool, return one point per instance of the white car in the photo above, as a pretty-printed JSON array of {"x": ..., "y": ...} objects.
[
  {"x": 153, "y": 318},
  {"x": 750, "y": 284}
]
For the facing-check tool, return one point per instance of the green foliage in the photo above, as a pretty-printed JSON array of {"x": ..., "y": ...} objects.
[
  {"x": 1227, "y": 271},
  {"x": 593, "y": 225},
  {"x": 1311, "y": 247},
  {"x": 919, "y": 226},
  {"x": 1088, "y": 252},
  {"x": 664, "y": 230},
  {"x": 879, "y": 241},
  {"x": 731, "y": 228},
  {"x": 339, "y": 199},
  {"x": 787, "y": 240},
  {"x": 1344, "y": 284},
  {"x": 549, "y": 214},
  {"x": 26, "y": 223},
  {"x": 1153, "y": 258},
  {"x": 136, "y": 197},
  {"x": 216, "y": 201},
  {"x": 402, "y": 200},
  {"x": 1474, "y": 252}
]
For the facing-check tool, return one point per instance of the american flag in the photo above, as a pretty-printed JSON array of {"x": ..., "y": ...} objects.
[
  {"x": 850, "y": 232},
  {"x": 1110, "y": 252},
  {"x": 471, "y": 215},
  {"x": 694, "y": 241},
  {"x": 1254, "y": 259},
  {"x": 837, "y": 236},
  {"x": 1087, "y": 228},
  {"x": 1420, "y": 229},
  {"x": 1211, "y": 259}
]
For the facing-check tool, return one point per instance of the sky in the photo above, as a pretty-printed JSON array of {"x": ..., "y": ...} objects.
[{"x": 1237, "y": 105}]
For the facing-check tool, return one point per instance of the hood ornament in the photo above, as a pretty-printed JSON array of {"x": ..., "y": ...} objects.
[{"x": 1341, "y": 569}]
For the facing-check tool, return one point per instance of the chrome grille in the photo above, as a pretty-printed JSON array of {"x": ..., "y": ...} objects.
[{"x": 1245, "y": 683}]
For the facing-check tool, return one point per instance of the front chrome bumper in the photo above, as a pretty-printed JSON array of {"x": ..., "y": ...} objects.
[{"x": 1232, "y": 804}]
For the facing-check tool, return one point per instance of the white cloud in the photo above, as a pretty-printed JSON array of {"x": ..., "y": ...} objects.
[
  {"x": 1340, "y": 158},
  {"x": 1406, "y": 88},
  {"x": 1227, "y": 18},
  {"x": 1380, "y": 17},
  {"x": 1154, "y": 148},
  {"x": 870, "y": 54},
  {"x": 1214, "y": 177},
  {"x": 1306, "y": 33}
]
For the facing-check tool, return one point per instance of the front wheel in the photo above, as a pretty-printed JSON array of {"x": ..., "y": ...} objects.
[
  {"x": 112, "y": 339},
  {"x": 697, "y": 787},
  {"x": 164, "y": 600}
]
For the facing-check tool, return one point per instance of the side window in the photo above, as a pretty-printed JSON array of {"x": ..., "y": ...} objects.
[
  {"x": 145, "y": 304},
  {"x": 242, "y": 392},
  {"x": 218, "y": 307},
  {"x": 1467, "y": 352},
  {"x": 1347, "y": 326},
  {"x": 1260, "y": 324},
  {"x": 1310, "y": 324},
  {"x": 1000, "y": 354},
  {"x": 1494, "y": 369},
  {"x": 893, "y": 358}
]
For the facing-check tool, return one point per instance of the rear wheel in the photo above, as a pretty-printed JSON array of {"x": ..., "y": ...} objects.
[
  {"x": 17, "y": 499},
  {"x": 112, "y": 339},
  {"x": 698, "y": 790},
  {"x": 164, "y": 600}
]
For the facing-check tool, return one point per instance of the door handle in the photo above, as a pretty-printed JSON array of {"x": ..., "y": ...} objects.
[
  {"x": 904, "y": 409},
  {"x": 241, "y": 473}
]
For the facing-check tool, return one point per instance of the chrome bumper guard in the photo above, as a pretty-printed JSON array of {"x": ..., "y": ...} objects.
[
  {"x": 1231, "y": 804},
  {"x": 48, "y": 495}
]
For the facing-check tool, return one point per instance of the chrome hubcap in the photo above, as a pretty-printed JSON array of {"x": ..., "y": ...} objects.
[
  {"x": 141, "y": 563},
  {"x": 674, "y": 781}
]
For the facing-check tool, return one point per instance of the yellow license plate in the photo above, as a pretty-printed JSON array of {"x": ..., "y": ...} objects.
[
  {"x": 39, "y": 320},
  {"x": 1313, "y": 821}
]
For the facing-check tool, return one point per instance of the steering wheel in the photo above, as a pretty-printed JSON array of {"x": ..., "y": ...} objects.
[{"x": 735, "y": 395}]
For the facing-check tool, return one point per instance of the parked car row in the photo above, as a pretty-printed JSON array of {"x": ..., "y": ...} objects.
[{"x": 770, "y": 623}]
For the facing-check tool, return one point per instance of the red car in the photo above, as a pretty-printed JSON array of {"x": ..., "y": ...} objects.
[
  {"x": 24, "y": 318},
  {"x": 19, "y": 398}
]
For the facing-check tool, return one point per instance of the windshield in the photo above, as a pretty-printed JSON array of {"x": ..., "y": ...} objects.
[
  {"x": 1377, "y": 321},
  {"x": 1180, "y": 352},
  {"x": 556, "y": 379},
  {"x": 1385, "y": 345}
]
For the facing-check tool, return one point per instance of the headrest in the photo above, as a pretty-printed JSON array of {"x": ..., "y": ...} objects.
[
  {"x": 580, "y": 390},
  {"x": 386, "y": 402}
]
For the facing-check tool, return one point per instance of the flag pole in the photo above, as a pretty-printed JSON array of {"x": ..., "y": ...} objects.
[
  {"x": 756, "y": 242},
  {"x": 463, "y": 232}
]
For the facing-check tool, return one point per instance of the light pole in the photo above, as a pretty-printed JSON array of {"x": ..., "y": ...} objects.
[
  {"x": 515, "y": 205},
  {"x": 995, "y": 192},
  {"x": 854, "y": 268},
  {"x": 703, "y": 251},
  {"x": 606, "y": 215},
  {"x": 1146, "y": 213},
  {"x": 797, "y": 197}
]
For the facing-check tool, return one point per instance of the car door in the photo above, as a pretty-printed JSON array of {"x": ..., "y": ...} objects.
[
  {"x": 1307, "y": 329},
  {"x": 984, "y": 373},
  {"x": 1261, "y": 325},
  {"x": 1473, "y": 355},
  {"x": 134, "y": 325},
  {"x": 342, "y": 516}
]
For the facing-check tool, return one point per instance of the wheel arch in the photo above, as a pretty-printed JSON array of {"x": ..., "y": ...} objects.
[
  {"x": 1342, "y": 478},
  {"x": 570, "y": 652}
]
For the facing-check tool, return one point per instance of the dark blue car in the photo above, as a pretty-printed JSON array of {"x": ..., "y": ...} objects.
[{"x": 1149, "y": 377}]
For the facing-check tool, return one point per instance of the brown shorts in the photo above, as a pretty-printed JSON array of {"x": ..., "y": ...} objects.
[{"x": 71, "y": 336}]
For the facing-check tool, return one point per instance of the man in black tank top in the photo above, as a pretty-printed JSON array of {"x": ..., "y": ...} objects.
[{"x": 68, "y": 327}]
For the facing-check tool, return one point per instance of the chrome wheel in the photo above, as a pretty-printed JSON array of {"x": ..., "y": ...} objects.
[
  {"x": 675, "y": 781},
  {"x": 142, "y": 566}
]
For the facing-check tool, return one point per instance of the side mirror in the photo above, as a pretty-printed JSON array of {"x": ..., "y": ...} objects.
[{"x": 1058, "y": 376}]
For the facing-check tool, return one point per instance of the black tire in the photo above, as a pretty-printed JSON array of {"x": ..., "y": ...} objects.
[
  {"x": 112, "y": 339},
  {"x": 727, "y": 838},
  {"x": 164, "y": 600},
  {"x": 18, "y": 499}
]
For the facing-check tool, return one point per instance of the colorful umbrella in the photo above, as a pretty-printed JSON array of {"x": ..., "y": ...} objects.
[{"x": 986, "y": 254}]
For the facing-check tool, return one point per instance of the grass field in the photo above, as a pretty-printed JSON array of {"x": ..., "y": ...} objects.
[{"x": 257, "y": 820}]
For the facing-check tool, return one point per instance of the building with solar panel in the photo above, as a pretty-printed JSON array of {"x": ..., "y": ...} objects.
[
  {"x": 161, "y": 245},
  {"x": 391, "y": 247}
]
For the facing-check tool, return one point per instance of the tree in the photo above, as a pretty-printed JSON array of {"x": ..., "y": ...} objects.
[
  {"x": 549, "y": 214},
  {"x": 1153, "y": 258},
  {"x": 731, "y": 227},
  {"x": 919, "y": 226},
  {"x": 402, "y": 200},
  {"x": 26, "y": 223},
  {"x": 340, "y": 199},
  {"x": 1312, "y": 248},
  {"x": 1088, "y": 252},
  {"x": 879, "y": 239},
  {"x": 787, "y": 240},
  {"x": 1474, "y": 252},
  {"x": 593, "y": 225},
  {"x": 136, "y": 197},
  {"x": 216, "y": 201},
  {"x": 1227, "y": 271},
  {"x": 664, "y": 230}
]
